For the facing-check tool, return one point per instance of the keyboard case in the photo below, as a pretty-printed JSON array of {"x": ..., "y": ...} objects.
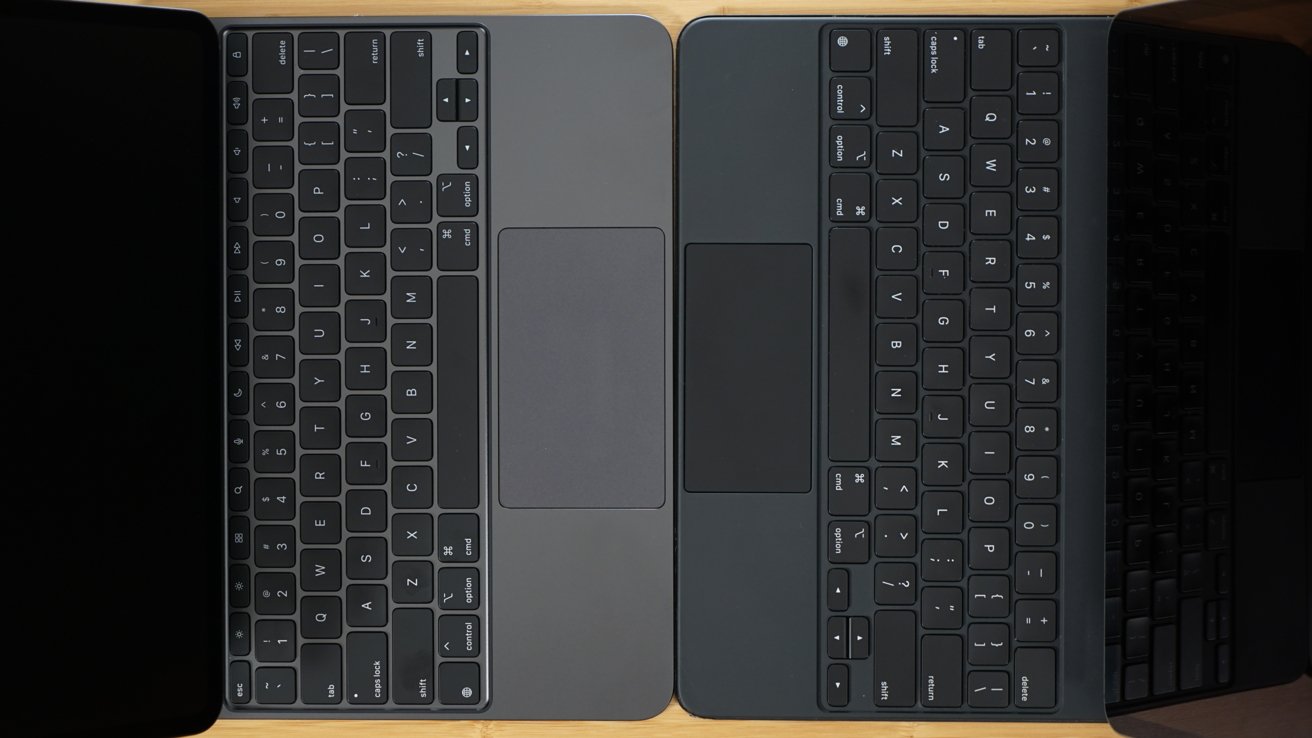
[{"x": 751, "y": 102}]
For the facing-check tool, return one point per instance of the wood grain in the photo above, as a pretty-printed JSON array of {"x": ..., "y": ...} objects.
[
  {"x": 674, "y": 721},
  {"x": 674, "y": 14}
]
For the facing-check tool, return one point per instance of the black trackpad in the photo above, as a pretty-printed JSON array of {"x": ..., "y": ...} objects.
[{"x": 747, "y": 368}]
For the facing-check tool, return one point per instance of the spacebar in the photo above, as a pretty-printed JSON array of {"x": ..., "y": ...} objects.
[
  {"x": 457, "y": 392},
  {"x": 849, "y": 344}
]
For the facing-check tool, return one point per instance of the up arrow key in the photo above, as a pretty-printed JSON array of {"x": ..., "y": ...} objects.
[
  {"x": 837, "y": 590},
  {"x": 467, "y": 48}
]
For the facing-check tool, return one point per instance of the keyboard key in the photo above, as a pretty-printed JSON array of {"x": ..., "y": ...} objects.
[
  {"x": 237, "y": 100},
  {"x": 366, "y": 130},
  {"x": 458, "y": 636},
  {"x": 990, "y": 117},
  {"x": 457, "y": 246},
  {"x": 897, "y": 60},
  {"x": 412, "y": 202},
  {"x": 275, "y": 685},
  {"x": 412, "y": 79},
  {"x": 466, "y": 100},
  {"x": 1038, "y": 47},
  {"x": 849, "y": 50},
  {"x": 987, "y": 689},
  {"x": 318, "y": 50},
  {"x": 412, "y": 582},
  {"x": 365, "y": 62},
  {"x": 271, "y": 63},
  {"x": 467, "y": 147},
  {"x": 940, "y": 671},
  {"x": 272, "y": 119},
  {"x": 895, "y": 583},
  {"x": 837, "y": 590},
  {"x": 457, "y": 538},
  {"x": 1037, "y": 93},
  {"x": 836, "y": 638},
  {"x": 945, "y": 66},
  {"x": 1036, "y": 674},
  {"x": 1037, "y": 188},
  {"x": 458, "y": 683},
  {"x": 366, "y": 663},
  {"x": 849, "y": 493},
  {"x": 446, "y": 100},
  {"x": 412, "y": 656},
  {"x": 321, "y": 674},
  {"x": 467, "y": 52},
  {"x": 239, "y": 682},
  {"x": 457, "y": 195},
  {"x": 849, "y": 98},
  {"x": 990, "y": 644},
  {"x": 318, "y": 96},
  {"x": 275, "y": 641},
  {"x": 849, "y": 543},
  {"x": 849, "y": 196},
  {"x": 944, "y": 129},
  {"x": 235, "y": 53},
  {"x": 990, "y": 59},
  {"x": 457, "y": 392},
  {"x": 894, "y": 649},
  {"x": 849, "y": 343},
  {"x": 457, "y": 589},
  {"x": 366, "y": 605}
]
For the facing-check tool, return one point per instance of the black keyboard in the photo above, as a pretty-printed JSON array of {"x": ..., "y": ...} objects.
[
  {"x": 355, "y": 206},
  {"x": 1169, "y": 558},
  {"x": 942, "y": 353}
]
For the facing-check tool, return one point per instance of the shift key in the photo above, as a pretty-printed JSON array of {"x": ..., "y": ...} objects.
[
  {"x": 894, "y": 646},
  {"x": 412, "y": 659},
  {"x": 897, "y": 102},
  {"x": 412, "y": 79}
]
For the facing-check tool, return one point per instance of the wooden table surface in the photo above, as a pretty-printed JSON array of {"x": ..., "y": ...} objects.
[{"x": 674, "y": 721}]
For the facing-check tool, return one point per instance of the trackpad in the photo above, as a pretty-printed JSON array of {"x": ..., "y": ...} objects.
[
  {"x": 581, "y": 368},
  {"x": 747, "y": 357}
]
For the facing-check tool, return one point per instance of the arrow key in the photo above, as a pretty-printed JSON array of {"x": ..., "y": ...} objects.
[
  {"x": 858, "y": 638},
  {"x": 836, "y": 638},
  {"x": 457, "y": 636},
  {"x": 467, "y": 147},
  {"x": 836, "y": 685},
  {"x": 446, "y": 99},
  {"x": 837, "y": 590},
  {"x": 467, "y": 52},
  {"x": 467, "y": 99}
]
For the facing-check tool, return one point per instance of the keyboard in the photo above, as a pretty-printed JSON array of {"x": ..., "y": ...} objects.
[
  {"x": 356, "y": 205},
  {"x": 941, "y": 362},
  {"x": 1169, "y": 558}
]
